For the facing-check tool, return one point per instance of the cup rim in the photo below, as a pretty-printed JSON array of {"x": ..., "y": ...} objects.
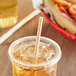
[{"x": 53, "y": 61}]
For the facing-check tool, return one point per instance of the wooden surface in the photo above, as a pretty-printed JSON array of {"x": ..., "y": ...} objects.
[{"x": 67, "y": 64}]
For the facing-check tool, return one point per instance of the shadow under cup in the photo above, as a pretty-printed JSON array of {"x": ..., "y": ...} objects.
[{"x": 47, "y": 68}]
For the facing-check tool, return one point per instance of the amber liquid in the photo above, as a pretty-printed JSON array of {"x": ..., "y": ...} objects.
[
  {"x": 18, "y": 71},
  {"x": 8, "y": 13}
]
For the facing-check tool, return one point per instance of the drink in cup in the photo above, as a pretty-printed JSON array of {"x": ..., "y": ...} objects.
[
  {"x": 24, "y": 61},
  {"x": 8, "y": 13}
]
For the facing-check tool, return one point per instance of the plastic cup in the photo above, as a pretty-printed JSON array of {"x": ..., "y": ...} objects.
[
  {"x": 47, "y": 68},
  {"x": 8, "y": 13}
]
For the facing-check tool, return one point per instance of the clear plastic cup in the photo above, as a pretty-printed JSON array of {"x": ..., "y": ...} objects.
[
  {"x": 47, "y": 68},
  {"x": 8, "y": 13}
]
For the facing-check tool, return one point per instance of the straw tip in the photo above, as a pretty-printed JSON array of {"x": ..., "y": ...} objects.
[{"x": 41, "y": 17}]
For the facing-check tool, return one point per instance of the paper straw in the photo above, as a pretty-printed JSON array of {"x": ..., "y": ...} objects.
[{"x": 38, "y": 36}]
